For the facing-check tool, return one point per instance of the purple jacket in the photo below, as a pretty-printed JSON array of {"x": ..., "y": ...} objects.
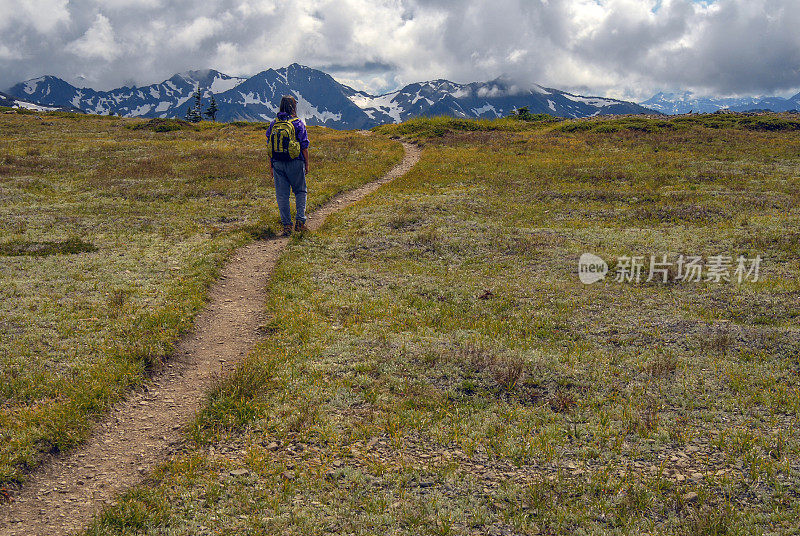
[{"x": 299, "y": 130}]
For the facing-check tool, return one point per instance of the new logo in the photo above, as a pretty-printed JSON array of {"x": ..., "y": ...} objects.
[{"x": 591, "y": 268}]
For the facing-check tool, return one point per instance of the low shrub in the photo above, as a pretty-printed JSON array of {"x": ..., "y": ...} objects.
[{"x": 164, "y": 125}]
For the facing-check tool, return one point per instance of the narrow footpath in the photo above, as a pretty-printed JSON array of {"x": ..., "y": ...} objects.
[{"x": 143, "y": 431}]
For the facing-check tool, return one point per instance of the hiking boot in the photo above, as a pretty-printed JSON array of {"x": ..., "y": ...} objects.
[
  {"x": 300, "y": 227},
  {"x": 287, "y": 230}
]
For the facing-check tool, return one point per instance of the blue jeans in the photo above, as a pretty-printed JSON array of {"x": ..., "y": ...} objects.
[{"x": 290, "y": 175}]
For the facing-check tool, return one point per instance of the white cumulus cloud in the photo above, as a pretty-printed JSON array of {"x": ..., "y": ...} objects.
[
  {"x": 41, "y": 16},
  {"x": 97, "y": 43},
  {"x": 191, "y": 35}
]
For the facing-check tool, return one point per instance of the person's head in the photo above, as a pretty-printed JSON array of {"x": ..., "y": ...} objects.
[{"x": 288, "y": 105}]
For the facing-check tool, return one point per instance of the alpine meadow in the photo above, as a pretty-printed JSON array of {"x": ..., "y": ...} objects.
[
  {"x": 429, "y": 358},
  {"x": 400, "y": 268},
  {"x": 110, "y": 239}
]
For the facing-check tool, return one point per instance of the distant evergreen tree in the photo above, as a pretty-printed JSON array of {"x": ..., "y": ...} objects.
[
  {"x": 212, "y": 109},
  {"x": 523, "y": 113},
  {"x": 194, "y": 114},
  {"x": 198, "y": 99}
]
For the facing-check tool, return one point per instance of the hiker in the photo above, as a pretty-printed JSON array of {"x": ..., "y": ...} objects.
[{"x": 287, "y": 141}]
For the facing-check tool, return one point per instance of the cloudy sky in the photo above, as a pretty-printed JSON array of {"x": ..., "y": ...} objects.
[{"x": 619, "y": 48}]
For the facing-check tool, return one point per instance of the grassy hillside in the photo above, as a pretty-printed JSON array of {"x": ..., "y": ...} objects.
[
  {"x": 434, "y": 365},
  {"x": 110, "y": 232}
]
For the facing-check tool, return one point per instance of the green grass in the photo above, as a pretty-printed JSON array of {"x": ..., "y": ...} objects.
[
  {"x": 109, "y": 238},
  {"x": 432, "y": 364},
  {"x": 437, "y": 127},
  {"x": 422, "y": 128},
  {"x": 761, "y": 122}
]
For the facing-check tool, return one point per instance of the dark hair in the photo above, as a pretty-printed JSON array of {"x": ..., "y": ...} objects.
[{"x": 288, "y": 105}]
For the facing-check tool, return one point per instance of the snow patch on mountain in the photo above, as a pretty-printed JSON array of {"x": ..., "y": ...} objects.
[
  {"x": 306, "y": 110},
  {"x": 381, "y": 103},
  {"x": 30, "y": 85},
  {"x": 221, "y": 85},
  {"x": 253, "y": 98},
  {"x": 34, "y": 107},
  {"x": 483, "y": 109},
  {"x": 593, "y": 101},
  {"x": 144, "y": 109}
]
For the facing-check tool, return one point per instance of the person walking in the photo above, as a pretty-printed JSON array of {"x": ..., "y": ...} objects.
[{"x": 287, "y": 140}]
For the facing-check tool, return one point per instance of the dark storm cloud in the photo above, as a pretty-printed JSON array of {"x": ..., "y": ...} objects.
[{"x": 608, "y": 46}]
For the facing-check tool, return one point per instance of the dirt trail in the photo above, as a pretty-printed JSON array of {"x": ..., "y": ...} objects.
[{"x": 144, "y": 430}]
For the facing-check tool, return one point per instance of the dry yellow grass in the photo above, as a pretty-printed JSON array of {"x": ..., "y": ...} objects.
[
  {"x": 395, "y": 395},
  {"x": 109, "y": 237}
]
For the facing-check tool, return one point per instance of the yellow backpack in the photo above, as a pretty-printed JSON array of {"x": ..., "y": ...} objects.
[{"x": 282, "y": 143}]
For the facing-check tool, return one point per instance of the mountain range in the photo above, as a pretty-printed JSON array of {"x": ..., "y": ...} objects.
[
  {"x": 321, "y": 99},
  {"x": 324, "y": 101},
  {"x": 686, "y": 102}
]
